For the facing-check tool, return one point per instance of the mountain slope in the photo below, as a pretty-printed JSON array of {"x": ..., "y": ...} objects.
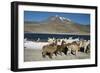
[{"x": 56, "y": 24}]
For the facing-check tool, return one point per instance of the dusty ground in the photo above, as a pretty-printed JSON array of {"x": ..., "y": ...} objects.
[{"x": 36, "y": 55}]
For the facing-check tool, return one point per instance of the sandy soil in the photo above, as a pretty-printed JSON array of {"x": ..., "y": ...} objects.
[{"x": 36, "y": 55}]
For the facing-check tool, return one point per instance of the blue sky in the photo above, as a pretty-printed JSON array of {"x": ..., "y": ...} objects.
[{"x": 40, "y": 16}]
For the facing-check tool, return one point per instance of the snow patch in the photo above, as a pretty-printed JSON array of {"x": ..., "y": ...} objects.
[
  {"x": 68, "y": 20},
  {"x": 63, "y": 18}
]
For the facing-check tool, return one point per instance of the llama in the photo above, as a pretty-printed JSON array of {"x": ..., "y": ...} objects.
[
  {"x": 73, "y": 48},
  {"x": 84, "y": 45},
  {"x": 49, "y": 50}
]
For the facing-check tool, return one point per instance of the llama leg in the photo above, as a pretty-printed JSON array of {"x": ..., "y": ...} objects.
[
  {"x": 66, "y": 51},
  {"x": 43, "y": 54},
  {"x": 50, "y": 55},
  {"x": 73, "y": 52},
  {"x": 69, "y": 51},
  {"x": 85, "y": 49},
  {"x": 61, "y": 53},
  {"x": 76, "y": 52},
  {"x": 55, "y": 53}
]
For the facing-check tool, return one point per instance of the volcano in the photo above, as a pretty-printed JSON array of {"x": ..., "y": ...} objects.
[{"x": 56, "y": 24}]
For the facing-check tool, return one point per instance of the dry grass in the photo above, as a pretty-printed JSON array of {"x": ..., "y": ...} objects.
[{"x": 36, "y": 55}]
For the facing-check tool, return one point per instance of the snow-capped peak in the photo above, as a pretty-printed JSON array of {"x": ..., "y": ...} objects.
[{"x": 63, "y": 18}]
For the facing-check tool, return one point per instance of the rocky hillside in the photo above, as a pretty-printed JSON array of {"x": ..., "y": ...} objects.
[{"x": 57, "y": 24}]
